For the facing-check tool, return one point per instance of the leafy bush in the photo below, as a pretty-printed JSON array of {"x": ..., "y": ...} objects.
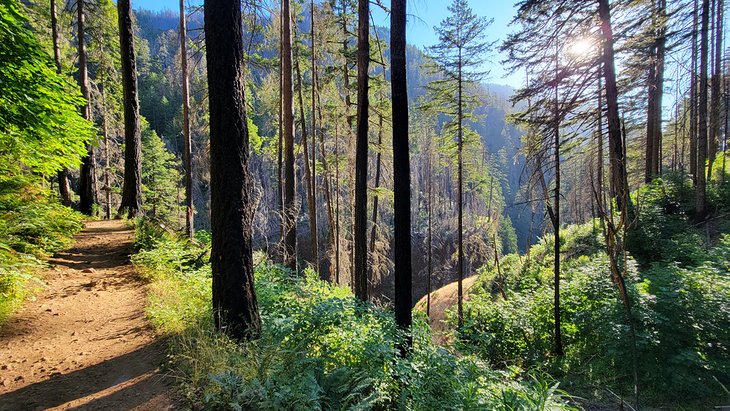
[
  {"x": 681, "y": 313},
  {"x": 320, "y": 348},
  {"x": 32, "y": 226}
]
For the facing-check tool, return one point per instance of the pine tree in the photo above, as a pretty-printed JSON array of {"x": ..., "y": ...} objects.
[{"x": 459, "y": 55}]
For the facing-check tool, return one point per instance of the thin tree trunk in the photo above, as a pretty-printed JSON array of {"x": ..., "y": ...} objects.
[
  {"x": 290, "y": 229},
  {"x": 280, "y": 170},
  {"x": 693, "y": 98},
  {"x": 107, "y": 156},
  {"x": 87, "y": 177},
  {"x": 378, "y": 156},
  {"x": 700, "y": 189},
  {"x": 360, "y": 280},
  {"x": 308, "y": 172},
  {"x": 401, "y": 169},
  {"x": 234, "y": 298},
  {"x": 429, "y": 246},
  {"x": 556, "y": 215},
  {"x": 314, "y": 142},
  {"x": 187, "y": 142},
  {"x": 460, "y": 196},
  {"x": 716, "y": 102},
  {"x": 64, "y": 188},
  {"x": 337, "y": 205}
]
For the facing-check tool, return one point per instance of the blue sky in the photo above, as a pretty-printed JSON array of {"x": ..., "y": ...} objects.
[{"x": 423, "y": 16}]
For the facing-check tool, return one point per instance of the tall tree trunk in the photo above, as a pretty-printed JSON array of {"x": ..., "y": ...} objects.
[
  {"x": 280, "y": 162},
  {"x": 132, "y": 187},
  {"x": 64, "y": 188},
  {"x": 700, "y": 188},
  {"x": 87, "y": 177},
  {"x": 693, "y": 97},
  {"x": 655, "y": 92},
  {"x": 315, "y": 247},
  {"x": 290, "y": 217},
  {"x": 234, "y": 298},
  {"x": 107, "y": 154},
  {"x": 617, "y": 160},
  {"x": 360, "y": 280},
  {"x": 188, "y": 144},
  {"x": 429, "y": 247},
  {"x": 401, "y": 167},
  {"x": 337, "y": 205},
  {"x": 308, "y": 172},
  {"x": 460, "y": 196},
  {"x": 378, "y": 157},
  {"x": 556, "y": 214},
  {"x": 716, "y": 102},
  {"x": 659, "y": 84}
]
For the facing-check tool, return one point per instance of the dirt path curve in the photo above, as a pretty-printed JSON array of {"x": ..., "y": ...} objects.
[{"x": 84, "y": 343}]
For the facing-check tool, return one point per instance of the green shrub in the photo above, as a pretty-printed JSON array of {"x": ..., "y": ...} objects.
[
  {"x": 320, "y": 348},
  {"x": 32, "y": 226}
]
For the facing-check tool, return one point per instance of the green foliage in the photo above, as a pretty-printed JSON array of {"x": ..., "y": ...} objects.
[
  {"x": 680, "y": 298},
  {"x": 40, "y": 127},
  {"x": 160, "y": 178},
  {"x": 320, "y": 347},
  {"x": 664, "y": 211},
  {"x": 32, "y": 225}
]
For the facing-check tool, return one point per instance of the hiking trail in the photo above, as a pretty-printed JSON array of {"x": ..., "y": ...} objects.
[{"x": 83, "y": 342}]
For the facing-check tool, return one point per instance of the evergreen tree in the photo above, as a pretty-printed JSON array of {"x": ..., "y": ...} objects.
[{"x": 460, "y": 53}]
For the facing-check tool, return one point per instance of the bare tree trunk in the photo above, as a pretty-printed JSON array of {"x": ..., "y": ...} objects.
[
  {"x": 234, "y": 298},
  {"x": 308, "y": 171},
  {"x": 619, "y": 180},
  {"x": 132, "y": 187},
  {"x": 188, "y": 144},
  {"x": 280, "y": 163},
  {"x": 556, "y": 215},
  {"x": 316, "y": 257},
  {"x": 378, "y": 156},
  {"x": 337, "y": 205},
  {"x": 655, "y": 93},
  {"x": 401, "y": 169},
  {"x": 107, "y": 156},
  {"x": 460, "y": 196},
  {"x": 693, "y": 98},
  {"x": 700, "y": 188},
  {"x": 88, "y": 177},
  {"x": 64, "y": 188},
  {"x": 290, "y": 228},
  {"x": 360, "y": 280},
  {"x": 715, "y": 103}
]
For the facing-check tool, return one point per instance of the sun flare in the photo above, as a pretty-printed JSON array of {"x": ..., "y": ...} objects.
[{"x": 581, "y": 47}]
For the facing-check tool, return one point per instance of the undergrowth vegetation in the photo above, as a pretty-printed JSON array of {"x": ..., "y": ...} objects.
[
  {"x": 679, "y": 284},
  {"x": 33, "y": 225},
  {"x": 320, "y": 347}
]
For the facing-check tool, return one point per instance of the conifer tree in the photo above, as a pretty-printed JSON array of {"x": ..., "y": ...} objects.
[{"x": 459, "y": 55}]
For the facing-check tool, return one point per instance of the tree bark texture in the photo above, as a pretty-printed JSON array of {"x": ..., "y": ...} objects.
[
  {"x": 234, "y": 298},
  {"x": 360, "y": 277},
  {"x": 132, "y": 186}
]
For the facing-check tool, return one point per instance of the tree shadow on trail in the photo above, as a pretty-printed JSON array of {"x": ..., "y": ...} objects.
[{"x": 121, "y": 383}]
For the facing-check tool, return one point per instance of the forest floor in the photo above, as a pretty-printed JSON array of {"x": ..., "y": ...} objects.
[{"x": 83, "y": 341}]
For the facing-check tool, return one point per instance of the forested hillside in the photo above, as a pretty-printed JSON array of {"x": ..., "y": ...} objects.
[{"x": 298, "y": 177}]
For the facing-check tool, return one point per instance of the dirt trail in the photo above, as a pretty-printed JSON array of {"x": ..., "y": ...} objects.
[{"x": 84, "y": 342}]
